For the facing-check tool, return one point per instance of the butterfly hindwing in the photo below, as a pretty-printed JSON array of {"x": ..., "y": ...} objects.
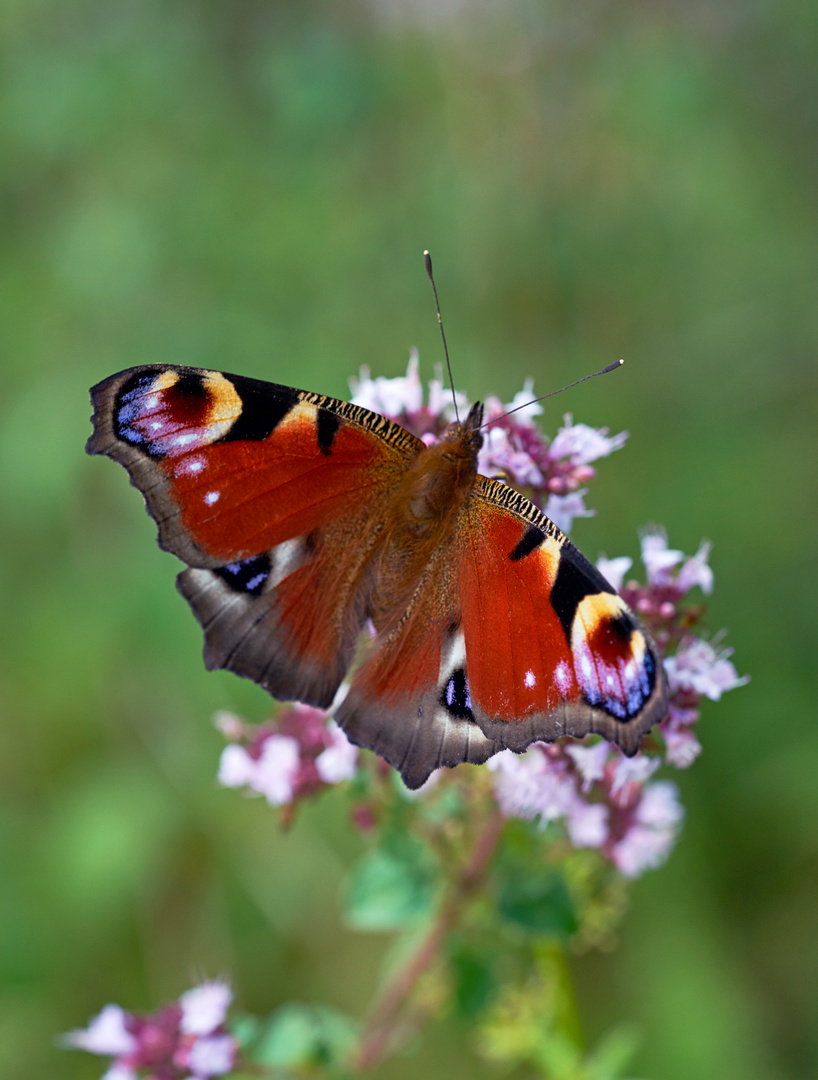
[{"x": 409, "y": 700}]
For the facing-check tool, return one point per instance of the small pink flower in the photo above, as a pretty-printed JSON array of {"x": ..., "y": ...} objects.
[
  {"x": 277, "y": 768},
  {"x": 697, "y": 667},
  {"x": 119, "y": 1072},
  {"x": 526, "y": 408},
  {"x": 562, "y": 509},
  {"x": 531, "y": 785},
  {"x": 213, "y": 1055},
  {"x": 614, "y": 570},
  {"x": 590, "y": 761},
  {"x": 587, "y": 823},
  {"x": 651, "y": 830},
  {"x": 340, "y": 759},
  {"x": 182, "y": 1040},
  {"x": 230, "y": 725},
  {"x": 658, "y": 558},
  {"x": 204, "y": 1008},
  {"x": 107, "y": 1033},
  {"x": 391, "y": 397},
  {"x": 681, "y": 747},
  {"x": 236, "y": 767},
  {"x": 499, "y": 456},
  {"x": 695, "y": 571},
  {"x": 633, "y": 771},
  {"x": 272, "y": 773},
  {"x": 582, "y": 444},
  {"x": 291, "y": 759},
  {"x": 401, "y": 399},
  {"x": 641, "y": 849},
  {"x": 659, "y": 807}
]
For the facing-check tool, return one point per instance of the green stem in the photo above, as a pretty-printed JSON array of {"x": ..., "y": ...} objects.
[{"x": 380, "y": 1030}]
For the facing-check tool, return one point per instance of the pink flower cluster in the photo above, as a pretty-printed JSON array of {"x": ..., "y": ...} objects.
[
  {"x": 603, "y": 799},
  {"x": 288, "y": 760},
  {"x": 697, "y": 668},
  {"x": 514, "y": 449},
  {"x": 183, "y": 1041}
]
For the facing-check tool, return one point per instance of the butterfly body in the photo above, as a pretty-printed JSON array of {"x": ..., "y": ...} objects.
[{"x": 307, "y": 523}]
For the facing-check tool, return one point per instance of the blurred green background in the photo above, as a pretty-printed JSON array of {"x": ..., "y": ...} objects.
[{"x": 249, "y": 186}]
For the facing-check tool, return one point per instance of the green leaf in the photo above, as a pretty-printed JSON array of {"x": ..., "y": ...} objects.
[
  {"x": 474, "y": 981},
  {"x": 245, "y": 1028},
  {"x": 299, "y": 1035},
  {"x": 614, "y": 1053},
  {"x": 389, "y": 889},
  {"x": 538, "y": 903}
]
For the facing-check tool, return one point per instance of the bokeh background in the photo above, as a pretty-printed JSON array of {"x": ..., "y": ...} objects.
[{"x": 249, "y": 186}]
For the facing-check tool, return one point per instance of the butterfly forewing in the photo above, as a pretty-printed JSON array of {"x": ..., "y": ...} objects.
[
  {"x": 269, "y": 494},
  {"x": 575, "y": 660}
]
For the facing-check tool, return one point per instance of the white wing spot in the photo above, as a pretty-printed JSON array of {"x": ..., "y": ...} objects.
[
  {"x": 212, "y": 497},
  {"x": 530, "y": 679},
  {"x": 562, "y": 677}
]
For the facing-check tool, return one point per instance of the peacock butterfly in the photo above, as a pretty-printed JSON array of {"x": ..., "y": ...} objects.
[{"x": 306, "y": 521}]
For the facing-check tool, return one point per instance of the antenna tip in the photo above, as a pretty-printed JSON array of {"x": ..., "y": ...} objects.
[
  {"x": 427, "y": 258},
  {"x": 612, "y": 367}
]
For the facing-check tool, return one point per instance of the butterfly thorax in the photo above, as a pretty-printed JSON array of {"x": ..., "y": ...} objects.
[
  {"x": 440, "y": 479},
  {"x": 423, "y": 515}
]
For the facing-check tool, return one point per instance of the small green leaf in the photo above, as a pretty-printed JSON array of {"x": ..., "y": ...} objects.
[
  {"x": 245, "y": 1028},
  {"x": 388, "y": 890},
  {"x": 614, "y": 1053},
  {"x": 298, "y": 1035},
  {"x": 474, "y": 982},
  {"x": 538, "y": 903}
]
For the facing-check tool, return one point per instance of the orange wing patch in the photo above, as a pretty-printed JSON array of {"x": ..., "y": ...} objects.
[{"x": 519, "y": 661}]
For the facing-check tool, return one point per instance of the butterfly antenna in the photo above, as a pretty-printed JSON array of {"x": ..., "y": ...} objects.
[
  {"x": 611, "y": 367},
  {"x": 428, "y": 260}
]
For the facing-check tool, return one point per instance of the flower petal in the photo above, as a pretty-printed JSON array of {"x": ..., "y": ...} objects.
[
  {"x": 105, "y": 1034},
  {"x": 204, "y": 1008}
]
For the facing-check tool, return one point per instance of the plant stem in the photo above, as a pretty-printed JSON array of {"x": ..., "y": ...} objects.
[{"x": 380, "y": 1029}]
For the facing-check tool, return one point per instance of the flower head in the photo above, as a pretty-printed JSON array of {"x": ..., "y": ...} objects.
[
  {"x": 514, "y": 449},
  {"x": 182, "y": 1041},
  {"x": 581, "y": 444},
  {"x": 289, "y": 760},
  {"x": 699, "y": 668}
]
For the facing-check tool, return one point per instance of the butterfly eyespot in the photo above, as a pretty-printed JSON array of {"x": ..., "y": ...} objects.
[
  {"x": 166, "y": 413},
  {"x": 456, "y": 697},
  {"x": 248, "y": 576}
]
